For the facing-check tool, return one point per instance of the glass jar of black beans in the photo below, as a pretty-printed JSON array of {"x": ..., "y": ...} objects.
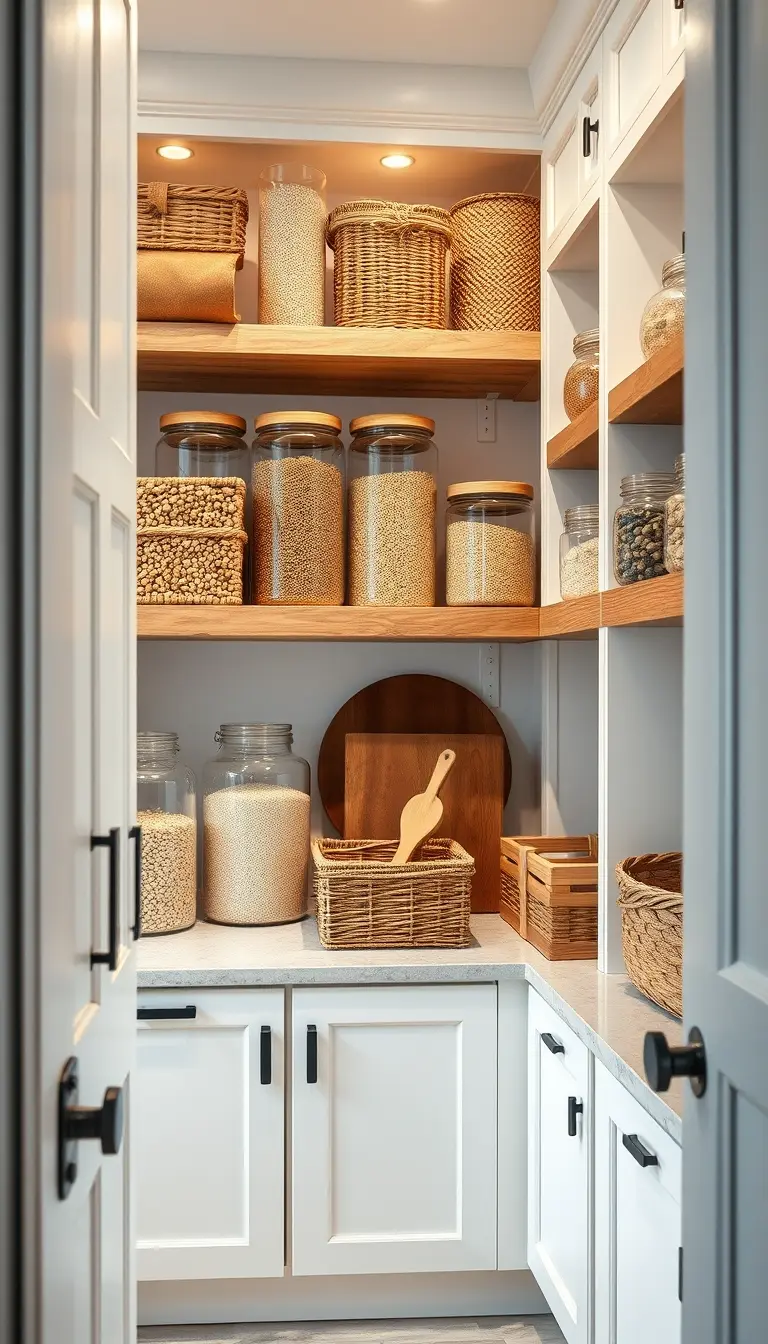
[{"x": 638, "y": 526}]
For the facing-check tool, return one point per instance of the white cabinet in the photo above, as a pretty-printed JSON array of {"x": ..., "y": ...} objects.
[
  {"x": 637, "y": 1221},
  {"x": 209, "y": 1118},
  {"x": 674, "y": 33},
  {"x": 559, "y": 1167},
  {"x": 394, "y": 1129},
  {"x": 568, "y": 173},
  {"x": 642, "y": 45}
]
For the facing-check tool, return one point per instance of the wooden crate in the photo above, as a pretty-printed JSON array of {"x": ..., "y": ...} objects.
[{"x": 549, "y": 893}]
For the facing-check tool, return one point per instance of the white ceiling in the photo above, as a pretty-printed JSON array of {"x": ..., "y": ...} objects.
[{"x": 434, "y": 32}]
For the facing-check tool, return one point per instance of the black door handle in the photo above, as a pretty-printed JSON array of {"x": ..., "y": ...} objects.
[
  {"x": 167, "y": 1014},
  {"x": 265, "y": 1055},
  {"x": 679, "y": 4},
  {"x": 135, "y": 834},
  {"x": 312, "y": 1054},
  {"x": 554, "y": 1047},
  {"x": 77, "y": 1123},
  {"x": 588, "y": 128},
  {"x": 112, "y": 843},
  {"x": 574, "y": 1108},
  {"x": 663, "y": 1062},
  {"x": 639, "y": 1151}
]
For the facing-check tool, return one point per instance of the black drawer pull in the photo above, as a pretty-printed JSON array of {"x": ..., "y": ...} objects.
[
  {"x": 135, "y": 834},
  {"x": 312, "y": 1054},
  {"x": 588, "y": 129},
  {"x": 167, "y": 1014},
  {"x": 574, "y": 1108},
  {"x": 554, "y": 1047},
  {"x": 265, "y": 1055},
  {"x": 639, "y": 1151},
  {"x": 112, "y": 843}
]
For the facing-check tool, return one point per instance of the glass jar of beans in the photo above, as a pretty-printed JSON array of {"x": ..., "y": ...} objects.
[
  {"x": 298, "y": 509},
  {"x": 582, "y": 380},
  {"x": 202, "y": 444},
  {"x": 674, "y": 521},
  {"x": 579, "y": 546},
  {"x": 391, "y": 511},
  {"x": 638, "y": 526},
  {"x": 256, "y": 811},
  {"x": 489, "y": 547},
  {"x": 292, "y": 245},
  {"x": 167, "y": 815},
  {"x": 663, "y": 320}
]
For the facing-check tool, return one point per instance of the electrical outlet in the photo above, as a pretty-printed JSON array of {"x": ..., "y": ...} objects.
[{"x": 486, "y": 419}]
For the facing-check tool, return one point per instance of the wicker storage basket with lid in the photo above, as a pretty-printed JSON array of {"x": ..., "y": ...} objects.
[
  {"x": 549, "y": 893},
  {"x": 495, "y": 252},
  {"x": 651, "y": 904},
  {"x": 191, "y": 240},
  {"x": 389, "y": 264}
]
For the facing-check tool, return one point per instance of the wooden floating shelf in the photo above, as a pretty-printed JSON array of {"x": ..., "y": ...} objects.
[
  {"x": 576, "y": 445},
  {"x": 650, "y": 602},
  {"x": 338, "y": 361},
  {"x": 653, "y": 394},
  {"x": 350, "y": 623},
  {"x": 577, "y": 616}
]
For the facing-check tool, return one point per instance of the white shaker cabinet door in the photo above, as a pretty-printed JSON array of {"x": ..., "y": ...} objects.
[
  {"x": 572, "y": 153},
  {"x": 209, "y": 1117},
  {"x": 632, "y": 53},
  {"x": 559, "y": 1168},
  {"x": 637, "y": 1221},
  {"x": 394, "y": 1129}
]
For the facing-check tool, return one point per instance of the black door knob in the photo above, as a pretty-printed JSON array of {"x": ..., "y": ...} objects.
[
  {"x": 104, "y": 1122},
  {"x": 663, "y": 1061}
]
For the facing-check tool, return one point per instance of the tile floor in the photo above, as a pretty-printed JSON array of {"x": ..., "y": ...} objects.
[{"x": 485, "y": 1330}]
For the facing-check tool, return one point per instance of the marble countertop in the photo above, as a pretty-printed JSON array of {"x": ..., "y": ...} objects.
[{"x": 605, "y": 1011}]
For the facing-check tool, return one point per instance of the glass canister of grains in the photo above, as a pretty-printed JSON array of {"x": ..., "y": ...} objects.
[
  {"x": 489, "y": 548},
  {"x": 298, "y": 509},
  {"x": 200, "y": 444},
  {"x": 663, "y": 320},
  {"x": 256, "y": 813},
  {"x": 579, "y": 548},
  {"x": 674, "y": 521},
  {"x": 638, "y": 526},
  {"x": 582, "y": 380},
  {"x": 392, "y": 490},
  {"x": 292, "y": 245},
  {"x": 167, "y": 815}
]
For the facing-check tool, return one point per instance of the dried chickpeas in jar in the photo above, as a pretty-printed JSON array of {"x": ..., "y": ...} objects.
[{"x": 490, "y": 557}]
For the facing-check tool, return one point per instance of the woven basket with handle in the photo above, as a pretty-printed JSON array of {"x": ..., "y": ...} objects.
[
  {"x": 651, "y": 904},
  {"x": 495, "y": 262},
  {"x": 192, "y": 219},
  {"x": 389, "y": 267}
]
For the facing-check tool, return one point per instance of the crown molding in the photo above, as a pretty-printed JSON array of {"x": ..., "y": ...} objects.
[{"x": 561, "y": 55}]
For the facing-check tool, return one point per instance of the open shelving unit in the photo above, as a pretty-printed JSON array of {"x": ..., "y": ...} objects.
[
  {"x": 576, "y": 446},
  {"x": 653, "y": 393}
]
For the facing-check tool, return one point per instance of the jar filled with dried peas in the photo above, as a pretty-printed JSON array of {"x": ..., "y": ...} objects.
[
  {"x": 489, "y": 546},
  {"x": 582, "y": 380}
]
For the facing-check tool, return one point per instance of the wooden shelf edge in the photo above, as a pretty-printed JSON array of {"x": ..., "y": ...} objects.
[
  {"x": 651, "y": 602},
  {"x": 336, "y": 623},
  {"x": 576, "y": 446},
  {"x": 653, "y": 393},
  {"x": 577, "y": 616}
]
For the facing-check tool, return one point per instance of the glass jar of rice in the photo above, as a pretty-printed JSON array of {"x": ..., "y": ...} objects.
[
  {"x": 256, "y": 811},
  {"x": 490, "y": 556},
  {"x": 167, "y": 814}
]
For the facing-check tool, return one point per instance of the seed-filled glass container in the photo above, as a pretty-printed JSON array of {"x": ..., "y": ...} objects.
[
  {"x": 391, "y": 497},
  {"x": 202, "y": 444},
  {"x": 674, "y": 521},
  {"x": 298, "y": 509},
  {"x": 167, "y": 815},
  {"x": 256, "y": 811},
  {"x": 579, "y": 546},
  {"x": 638, "y": 526},
  {"x": 292, "y": 245},
  {"x": 582, "y": 380},
  {"x": 663, "y": 320},
  {"x": 490, "y": 557}
]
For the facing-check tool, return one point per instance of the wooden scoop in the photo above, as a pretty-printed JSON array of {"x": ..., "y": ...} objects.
[{"x": 423, "y": 813}]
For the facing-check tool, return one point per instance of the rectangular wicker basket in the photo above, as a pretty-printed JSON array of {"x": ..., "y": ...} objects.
[
  {"x": 192, "y": 219},
  {"x": 549, "y": 893},
  {"x": 363, "y": 901},
  {"x": 190, "y": 566},
  {"x": 389, "y": 264}
]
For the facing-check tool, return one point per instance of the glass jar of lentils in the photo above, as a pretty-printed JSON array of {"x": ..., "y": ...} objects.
[
  {"x": 256, "y": 811},
  {"x": 663, "y": 320},
  {"x": 292, "y": 245},
  {"x": 674, "y": 521},
  {"x": 582, "y": 380},
  {"x": 579, "y": 547},
  {"x": 298, "y": 509},
  {"x": 489, "y": 547},
  {"x": 167, "y": 815},
  {"x": 391, "y": 511},
  {"x": 638, "y": 526}
]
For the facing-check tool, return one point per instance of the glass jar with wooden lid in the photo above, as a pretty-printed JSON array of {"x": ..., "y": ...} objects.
[
  {"x": 202, "y": 444},
  {"x": 489, "y": 544},
  {"x": 298, "y": 509},
  {"x": 392, "y": 501}
]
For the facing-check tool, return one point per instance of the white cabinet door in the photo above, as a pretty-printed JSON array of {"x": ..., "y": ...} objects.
[
  {"x": 632, "y": 53},
  {"x": 559, "y": 1168},
  {"x": 569, "y": 173},
  {"x": 394, "y": 1129},
  {"x": 637, "y": 1221},
  {"x": 674, "y": 33},
  {"x": 210, "y": 1122}
]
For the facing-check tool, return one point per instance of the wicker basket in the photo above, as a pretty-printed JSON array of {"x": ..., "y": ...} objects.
[
  {"x": 190, "y": 566},
  {"x": 389, "y": 267},
  {"x": 363, "y": 901},
  {"x": 190, "y": 501},
  {"x": 558, "y": 875},
  {"x": 651, "y": 905},
  {"x": 192, "y": 219},
  {"x": 495, "y": 246}
]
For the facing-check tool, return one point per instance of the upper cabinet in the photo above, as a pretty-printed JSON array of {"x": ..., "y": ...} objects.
[
  {"x": 642, "y": 46},
  {"x": 572, "y": 154}
]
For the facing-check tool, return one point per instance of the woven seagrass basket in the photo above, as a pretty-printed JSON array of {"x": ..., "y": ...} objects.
[
  {"x": 389, "y": 264},
  {"x": 495, "y": 253},
  {"x": 192, "y": 219},
  {"x": 190, "y": 566},
  {"x": 651, "y": 904},
  {"x": 365, "y": 901}
]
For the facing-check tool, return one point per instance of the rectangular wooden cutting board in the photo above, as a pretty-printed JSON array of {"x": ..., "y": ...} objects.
[{"x": 384, "y": 770}]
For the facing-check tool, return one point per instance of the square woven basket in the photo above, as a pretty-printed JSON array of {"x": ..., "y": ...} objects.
[
  {"x": 190, "y": 566},
  {"x": 191, "y": 219},
  {"x": 363, "y": 901}
]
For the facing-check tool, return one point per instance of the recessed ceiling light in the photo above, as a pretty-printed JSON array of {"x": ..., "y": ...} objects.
[
  {"x": 174, "y": 152},
  {"x": 397, "y": 160}
]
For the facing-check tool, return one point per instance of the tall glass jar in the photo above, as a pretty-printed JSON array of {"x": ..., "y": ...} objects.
[
  {"x": 292, "y": 245},
  {"x": 490, "y": 557},
  {"x": 579, "y": 546},
  {"x": 638, "y": 526},
  {"x": 582, "y": 380},
  {"x": 167, "y": 815},
  {"x": 392, "y": 494},
  {"x": 256, "y": 812},
  {"x": 674, "y": 521},
  {"x": 298, "y": 509},
  {"x": 663, "y": 320},
  {"x": 202, "y": 443}
]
